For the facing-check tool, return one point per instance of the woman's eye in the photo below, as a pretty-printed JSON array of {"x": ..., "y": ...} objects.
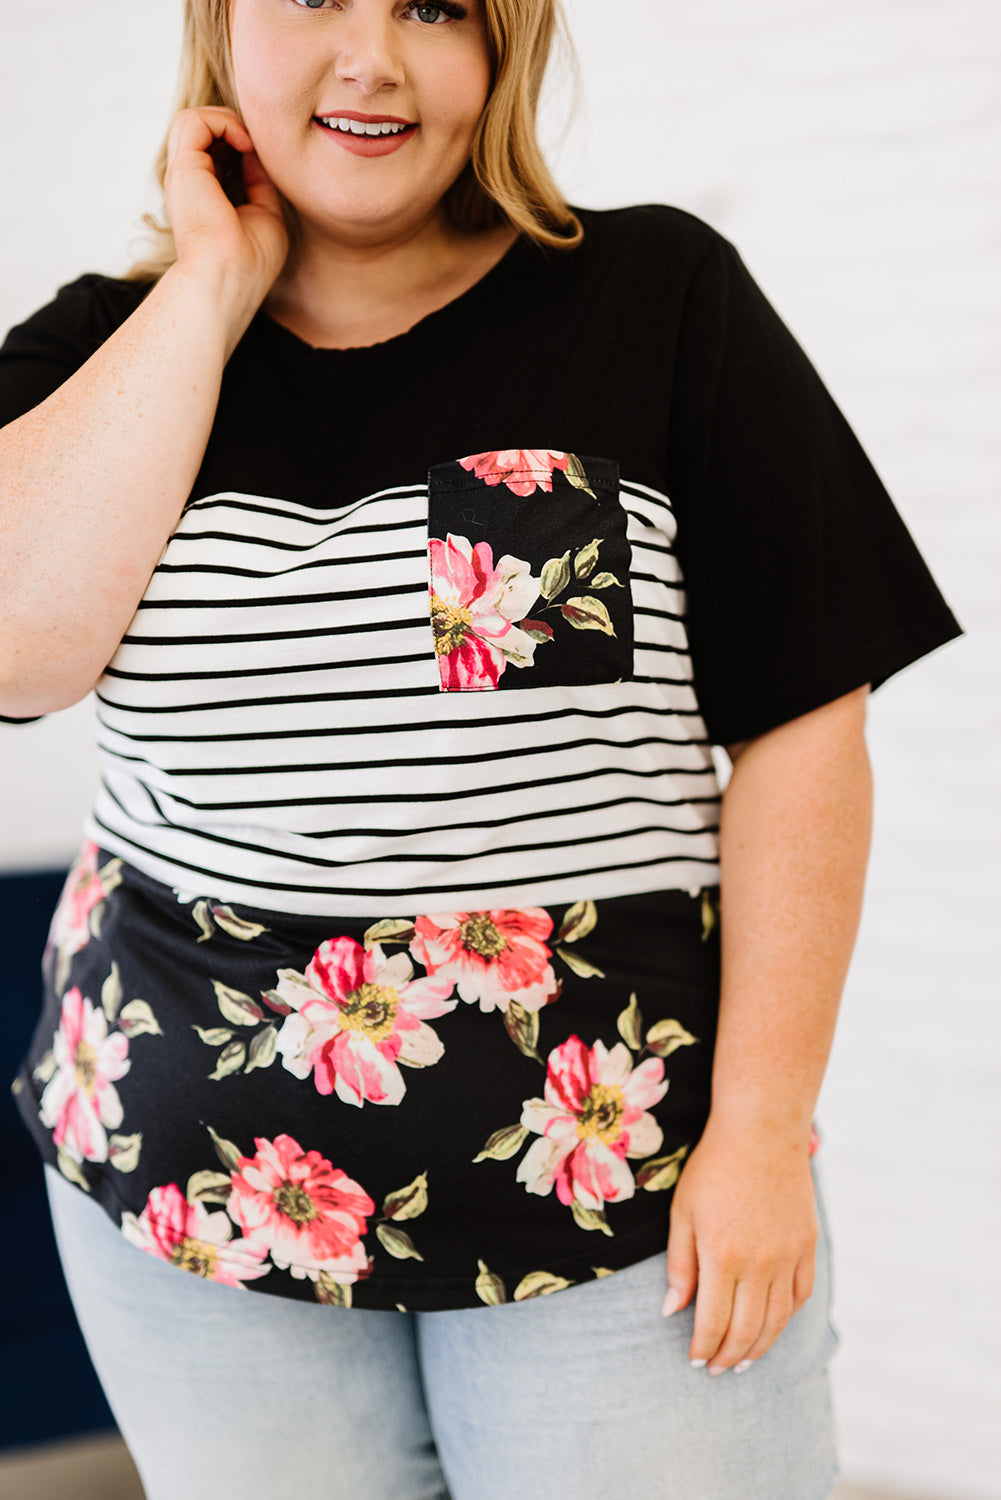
[
  {"x": 431, "y": 15},
  {"x": 310, "y": 4}
]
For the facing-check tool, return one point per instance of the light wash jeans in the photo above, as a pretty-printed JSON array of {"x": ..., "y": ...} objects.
[{"x": 587, "y": 1394}]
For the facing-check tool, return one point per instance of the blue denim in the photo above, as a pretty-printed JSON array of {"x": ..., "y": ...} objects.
[{"x": 585, "y": 1394}]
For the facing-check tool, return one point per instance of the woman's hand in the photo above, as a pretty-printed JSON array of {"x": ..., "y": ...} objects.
[
  {"x": 247, "y": 244},
  {"x": 744, "y": 1228}
]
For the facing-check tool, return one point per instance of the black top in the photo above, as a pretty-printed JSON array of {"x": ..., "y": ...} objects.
[{"x": 330, "y": 842}]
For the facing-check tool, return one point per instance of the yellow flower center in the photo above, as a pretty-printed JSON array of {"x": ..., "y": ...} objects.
[
  {"x": 372, "y": 1009},
  {"x": 479, "y": 935},
  {"x": 295, "y": 1203},
  {"x": 195, "y": 1256},
  {"x": 450, "y": 624},
  {"x": 86, "y": 1066},
  {"x": 602, "y": 1113}
]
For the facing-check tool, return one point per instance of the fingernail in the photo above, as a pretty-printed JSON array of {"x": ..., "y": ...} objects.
[
  {"x": 696, "y": 1364},
  {"x": 745, "y": 1364},
  {"x": 671, "y": 1302},
  {"x": 717, "y": 1369}
]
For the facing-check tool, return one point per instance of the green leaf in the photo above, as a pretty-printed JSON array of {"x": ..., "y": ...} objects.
[
  {"x": 408, "y": 1202},
  {"x": 539, "y": 1284},
  {"x": 578, "y": 922},
  {"x": 489, "y": 1286},
  {"x": 111, "y": 994},
  {"x": 200, "y": 912},
  {"x": 46, "y": 1068},
  {"x": 580, "y": 966},
  {"x": 583, "y": 563},
  {"x": 209, "y": 1187},
  {"x": 665, "y": 1037},
  {"x": 523, "y": 1028},
  {"x": 228, "y": 1154},
  {"x": 710, "y": 913},
  {"x": 630, "y": 1024},
  {"x": 587, "y": 613},
  {"x": 71, "y": 1169},
  {"x": 110, "y": 875},
  {"x": 263, "y": 1049},
  {"x": 273, "y": 1000},
  {"x": 389, "y": 930},
  {"x": 661, "y": 1172},
  {"x": 606, "y": 581},
  {"x": 123, "y": 1151},
  {"x": 137, "y": 1019},
  {"x": 504, "y": 1143},
  {"x": 230, "y": 1060},
  {"x": 227, "y": 919},
  {"x": 333, "y": 1293},
  {"x": 590, "y": 1218},
  {"x": 397, "y": 1242},
  {"x": 575, "y": 473},
  {"x": 236, "y": 1007},
  {"x": 213, "y": 1036},
  {"x": 555, "y": 576}
]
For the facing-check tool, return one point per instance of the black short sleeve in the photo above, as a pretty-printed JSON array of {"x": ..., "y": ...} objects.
[
  {"x": 38, "y": 355},
  {"x": 803, "y": 581}
]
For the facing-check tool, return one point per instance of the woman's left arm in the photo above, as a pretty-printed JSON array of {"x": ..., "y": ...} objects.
[{"x": 794, "y": 842}]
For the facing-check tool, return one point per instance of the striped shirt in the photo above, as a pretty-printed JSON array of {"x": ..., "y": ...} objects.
[{"x": 273, "y": 730}]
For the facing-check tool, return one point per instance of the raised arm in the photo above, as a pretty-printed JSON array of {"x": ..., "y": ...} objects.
[
  {"x": 93, "y": 480},
  {"x": 794, "y": 842}
]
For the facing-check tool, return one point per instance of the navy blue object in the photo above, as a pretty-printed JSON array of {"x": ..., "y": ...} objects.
[{"x": 41, "y": 1347}]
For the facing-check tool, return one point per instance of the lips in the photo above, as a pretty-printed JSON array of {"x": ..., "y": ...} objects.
[{"x": 366, "y": 135}]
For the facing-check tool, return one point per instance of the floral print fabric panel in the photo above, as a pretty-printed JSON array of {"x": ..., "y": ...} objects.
[
  {"x": 453, "y": 1109},
  {"x": 529, "y": 565}
]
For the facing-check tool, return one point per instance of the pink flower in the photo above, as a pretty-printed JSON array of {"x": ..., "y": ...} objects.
[
  {"x": 473, "y": 605},
  {"x": 308, "y": 1215},
  {"x": 80, "y": 1100},
  {"x": 187, "y": 1235},
  {"x": 521, "y": 469},
  {"x": 355, "y": 1014},
  {"x": 493, "y": 957},
  {"x": 79, "y": 910},
  {"x": 592, "y": 1118}
]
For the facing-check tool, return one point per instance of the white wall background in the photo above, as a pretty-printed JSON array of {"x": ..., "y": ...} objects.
[{"x": 853, "y": 152}]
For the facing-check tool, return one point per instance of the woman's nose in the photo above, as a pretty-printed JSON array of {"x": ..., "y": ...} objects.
[{"x": 367, "y": 54}]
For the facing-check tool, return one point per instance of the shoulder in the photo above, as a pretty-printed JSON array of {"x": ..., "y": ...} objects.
[
  {"x": 82, "y": 314},
  {"x": 652, "y": 233}
]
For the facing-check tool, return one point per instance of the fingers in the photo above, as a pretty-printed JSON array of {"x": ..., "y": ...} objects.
[
  {"x": 738, "y": 1319},
  {"x": 682, "y": 1262},
  {"x": 196, "y": 129}
]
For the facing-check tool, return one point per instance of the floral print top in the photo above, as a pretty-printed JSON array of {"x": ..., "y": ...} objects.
[
  {"x": 451, "y": 1110},
  {"x": 388, "y": 973}
]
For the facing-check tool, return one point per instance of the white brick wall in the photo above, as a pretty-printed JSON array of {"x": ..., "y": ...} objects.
[{"x": 852, "y": 152}]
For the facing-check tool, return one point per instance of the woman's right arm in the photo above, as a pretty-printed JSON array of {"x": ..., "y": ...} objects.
[{"x": 94, "y": 479}]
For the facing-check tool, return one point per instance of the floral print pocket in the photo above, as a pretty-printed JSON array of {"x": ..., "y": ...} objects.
[{"x": 529, "y": 570}]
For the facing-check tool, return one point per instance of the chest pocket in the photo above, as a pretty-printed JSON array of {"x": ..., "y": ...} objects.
[{"x": 529, "y": 566}]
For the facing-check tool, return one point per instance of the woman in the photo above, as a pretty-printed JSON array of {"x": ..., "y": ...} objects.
[{"x": 280, "y": 542}]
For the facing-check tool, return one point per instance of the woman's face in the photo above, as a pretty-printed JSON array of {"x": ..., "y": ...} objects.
[{"x": 301, "y": 67}]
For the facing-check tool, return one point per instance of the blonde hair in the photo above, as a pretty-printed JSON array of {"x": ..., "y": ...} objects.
[{"x": 506, "y": 179}]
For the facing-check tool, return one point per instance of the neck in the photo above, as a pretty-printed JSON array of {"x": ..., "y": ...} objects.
[{"x": 345, "y": 293}]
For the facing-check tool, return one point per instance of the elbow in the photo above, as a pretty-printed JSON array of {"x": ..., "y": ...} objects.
[{"x": 32, "y": 684}]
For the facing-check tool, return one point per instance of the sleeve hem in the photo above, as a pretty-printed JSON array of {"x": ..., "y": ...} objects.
[{"x": 874, "y": 662}]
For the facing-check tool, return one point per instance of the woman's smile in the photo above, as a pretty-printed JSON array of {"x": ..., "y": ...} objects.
[{"x": 366, "y": 135}]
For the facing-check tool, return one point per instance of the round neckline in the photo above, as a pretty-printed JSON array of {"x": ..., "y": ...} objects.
[{"x": 430, "y": 323}]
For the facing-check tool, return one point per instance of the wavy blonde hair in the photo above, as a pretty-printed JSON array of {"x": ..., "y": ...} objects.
[{"x": 506, "y": 179}]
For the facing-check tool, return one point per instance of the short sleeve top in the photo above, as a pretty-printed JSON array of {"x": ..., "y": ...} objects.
[{"x": 608, "y": 479}]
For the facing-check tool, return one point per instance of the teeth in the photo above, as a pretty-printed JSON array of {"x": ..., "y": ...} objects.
[{"x": 360, "y": 127}]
